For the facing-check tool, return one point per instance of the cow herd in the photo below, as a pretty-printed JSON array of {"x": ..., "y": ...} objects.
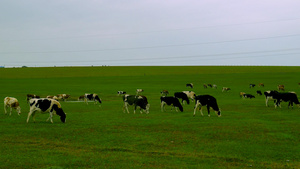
[{"x": 51, "y": 105}]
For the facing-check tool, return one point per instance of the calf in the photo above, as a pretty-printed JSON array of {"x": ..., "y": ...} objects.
[
  {"x": 46, "y": 106},
  {"x": 183, "y": 96},
  {"x": 209, "y": 102},
  {"x": 170, "y": 101},
  {"x": 191, "y": 85},
  {"x": 140, "y": 101},
  {"x": 12, "y": 103},
  {"x": 94, "y": 97}
]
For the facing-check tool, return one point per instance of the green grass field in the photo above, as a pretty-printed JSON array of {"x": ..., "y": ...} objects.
[{"x": 248, "y": 135}]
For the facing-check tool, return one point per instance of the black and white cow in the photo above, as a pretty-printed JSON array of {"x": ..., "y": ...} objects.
[
  {"x": 170, "y": 101},
  {"x": 258, "y": 92},
  {"x": 250, "y": 96},
  {"x": 191, "y": 85},
  {"x": 121, "y": 92},
  {"x": 94, "y": 97},
  {"x": 286, "y": 97},
  {"x": 46, "y": 106},
  {"x": 190, "y": 94},
  {"x": 140, "y": 101},
  {"x": 183, "y": 96},
  {"x": 252, "y": 85},
  {"x": 208, "y": 101},
  {"x": 269, "y": 95}
]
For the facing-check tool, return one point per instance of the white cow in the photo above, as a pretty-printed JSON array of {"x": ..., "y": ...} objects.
[{"x": 11, "y": 102}]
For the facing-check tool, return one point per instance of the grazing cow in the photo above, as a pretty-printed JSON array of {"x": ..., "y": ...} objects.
[
  {"x": 210, "y": 85},
  {"x": 280, "y": 87},
  {"x": 52, "y": 97},
  {"x": 121, "y": 92},
  {"x": 94, "y": 97},
  {"x": 248, "y": 96},
  {"x": 191, "y": 85},
  {"x": 252, "y": 85},
  {"x": 258, "y": 92},
  {"x": 269, "y": 95},
  {"x": 205, "y": 86},
  {"x": 183, "y": 96},
  {"x": 80, "y": 98},
  {"x": 214, "y": 86},
  {"x": 190, "y": 94},
  {"x": 12, "y": 103},
  {"x": 286, "y": 97},
  {"x": 138, "y": 91},
  {"x": 32, "y": 96},
  {"x": 63, "y": 97},
  {"x": 225, "y": 89},
  {"x": 170, "y": 101},
  {"x": 208, "y": 101},
  {"x": 164, "y": 93},
  {"x": 261, "y": 85},
  {"x": 242, "y": 94},
  {"x": 46, "y": 106},
  {"x": 140, "y": 101}
]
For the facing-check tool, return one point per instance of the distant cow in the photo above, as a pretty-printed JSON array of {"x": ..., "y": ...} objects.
[
  {"x": 183, "y": 96},
  {"x": 286, "y": 97},
  {"x": 80, "y": 98},
  {"x": 261, "y": 85},
  {"x": 190, "y": 94},
  {"x": 214, "y": 86},
  {"x": 170, "y": 101},
  {"x": 52, "y": 97},
  {"x": 11, "y": 103},
  {"x": 205, "y": 86},
  {"x": 208, "y": 101},
  {"x": 93, "y": 97},
  {"x": 258, "y": 92},
  {"x": 164, "y": 93},
  {"x": 63, "y": 97},
  {"x": 46, "y": 106},
  {"x": 139, "y": 91},
  {"x": 225, "y": 89},
  {"x": 280, "y": 87},
  {"x": 32, "y": 96},
  {"x": 191, "y": 85},
  {"x": 252, "y": 85},
  {"x": 121, "y": 92},
  {"x": 210, "y": 85},
  {"x": 242, "y": 94},
  {"x": 248, "y": 96},
  {"x": 140, "y": 101}
]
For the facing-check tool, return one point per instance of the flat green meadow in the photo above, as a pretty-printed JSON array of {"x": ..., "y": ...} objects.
[{"x": 247, "y": 135}]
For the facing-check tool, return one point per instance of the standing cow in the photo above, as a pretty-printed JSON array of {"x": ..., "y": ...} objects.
[
  {"x": 183, "y": 96},
  {"x": 286, "y": 97},
  {"x": 93, "y": 97},
  {"x": 140, "y": 101},
  {"x": 208, "y": 101},
  {"x": 170, "y": 101},
  {"x": 46, "y": 106},
  {"x": 12, "y": 103}
]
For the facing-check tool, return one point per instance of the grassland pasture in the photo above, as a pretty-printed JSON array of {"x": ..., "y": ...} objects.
[{"x": 248, "y": 134}]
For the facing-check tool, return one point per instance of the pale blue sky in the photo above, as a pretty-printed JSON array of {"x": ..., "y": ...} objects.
[{"x": 149, "y": 32}]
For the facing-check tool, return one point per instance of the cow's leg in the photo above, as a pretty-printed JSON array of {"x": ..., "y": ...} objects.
[
  {"x": 85, "y": 100},
  {"x": 10, "y": 110},
  {"x": 5, "y": 111},
  {"x": 196, "y": 107},
  {"x": 267, "y": 99},
  {"x": 162, "y": 106},
  {"x": 208, "y": 112},
  {"x": 50, "y": 117},
  {"x": 29, "y": 114}
]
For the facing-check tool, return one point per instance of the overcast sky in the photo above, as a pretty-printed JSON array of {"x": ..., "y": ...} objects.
[{"x": 149, "y": 32}]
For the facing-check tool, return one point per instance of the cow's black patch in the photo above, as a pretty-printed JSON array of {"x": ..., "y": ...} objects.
[
  {"x": 31, "y": 104},
  {"x": 89, "y": 96},
  {"x": 43, "y": 104},
  {"x": 60, "y": 112}
]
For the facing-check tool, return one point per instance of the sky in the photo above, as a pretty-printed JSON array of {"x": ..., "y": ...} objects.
[{"x": 46, "y": 33}]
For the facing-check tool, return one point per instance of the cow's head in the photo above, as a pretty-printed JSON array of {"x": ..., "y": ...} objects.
[{"x": 59, "y": 111}]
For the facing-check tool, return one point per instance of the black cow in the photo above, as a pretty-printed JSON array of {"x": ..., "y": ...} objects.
[
  {"x": 140, "y": 101},
  {"x": 183, "y": 96},
  {"x": 208, "y": 101},
  {"x": 191, "y": 85},
  {"x": 248, "y": 96},
  {"x": 169, "y": 100},
  {"x": 258, "y": 92},
  {"x": 93, "y": 97},
  {"x": 46, "y": 106},
  {"x": 121, "y": 92},
  {"x": 286, "y": 97}
]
